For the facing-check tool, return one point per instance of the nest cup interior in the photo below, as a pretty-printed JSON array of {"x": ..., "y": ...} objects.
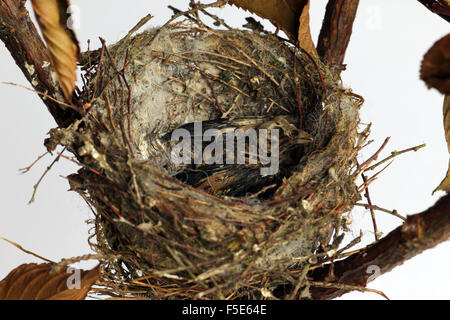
[
  {"x": 228, "y": 80},
  {"x": 243, "y": 234}
]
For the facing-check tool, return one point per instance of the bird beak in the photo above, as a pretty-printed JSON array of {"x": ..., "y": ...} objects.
[{"x": 303, "y": 137}]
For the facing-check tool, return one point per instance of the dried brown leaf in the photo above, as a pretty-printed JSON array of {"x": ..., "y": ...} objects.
[
  {"x": 435, "y": 69},
  {"x": 304, "y": 33},
  {"x": 88, "y": 278},
  {"x": 7, "y": 283},
  {"x": 291, "y": 16},
  {"x": 18, "y": 286},
  {"x": 445, "y": 184},
  {"x": 31, "y": 289},
  {"x": 446, "y": 111},
  {"x": 50, "y": 287},
  {"x": 61, "y": 41},
  {"x": 35, "y": 282}
]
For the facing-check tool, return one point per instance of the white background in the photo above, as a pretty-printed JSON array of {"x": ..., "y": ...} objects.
[{"x": 384, "y": 55}]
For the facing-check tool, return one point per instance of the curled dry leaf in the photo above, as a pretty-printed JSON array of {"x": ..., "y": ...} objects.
[
  {"x": 447, "y": 119},
  {"x": 36, "y": 282},
  {"x": 304, "y": 32},
  {"x": 435, "y": 69},
  {"x": 53, "y": 18},
  {"x": 291, "y": 16},
  {"x": 445, "y": 184}
]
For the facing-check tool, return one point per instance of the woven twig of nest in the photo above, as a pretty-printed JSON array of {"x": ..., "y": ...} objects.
[{"x": 171, "y": 232}]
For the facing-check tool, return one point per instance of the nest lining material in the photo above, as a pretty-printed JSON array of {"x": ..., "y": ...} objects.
[{"x": 157, "y": 232}]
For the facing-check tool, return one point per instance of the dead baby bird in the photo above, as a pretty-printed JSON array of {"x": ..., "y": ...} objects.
[{"x": 235, "y": 157}]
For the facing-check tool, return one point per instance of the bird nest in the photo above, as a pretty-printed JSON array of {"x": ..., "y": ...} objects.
[{"x": 202, "y": 230}]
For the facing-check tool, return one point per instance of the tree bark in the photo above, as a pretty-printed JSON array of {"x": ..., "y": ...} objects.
[
  {"x": 439, "y": 7},
  {"x": 336, "y": 30},
  {"x": 419, "y": 232}
]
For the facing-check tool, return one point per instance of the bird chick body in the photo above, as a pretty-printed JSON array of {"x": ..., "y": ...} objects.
[{"x": 219, "y": 173}]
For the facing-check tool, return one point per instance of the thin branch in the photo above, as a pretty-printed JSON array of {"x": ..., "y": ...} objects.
[
  {"x": 18, "y": 246},
  {"x": 394, "y": 154},
  {"x": 391, "y": 212},
  {"x": 320, "y": 284},
  {"x": 374, "y": 157},
  {"x": 372, "y": 212},
  {"x": 418, "y": 233},
  {"x": 27, "y": 169},
  {"x": 336, "y": 30},
  {"x": 36, "y": 186},
  {"x": 218, "y": 20}
]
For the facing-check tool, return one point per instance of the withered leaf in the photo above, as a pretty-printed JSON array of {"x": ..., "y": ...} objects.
[
  {"x": 88, "y": 278},
  {"x": 35, "y": 282},
  {"x": 435, "y": 69},
  {"x": 7, "y": 283},
  {"x": 61, "y": 41},
  {"x": 304, "y": 33},
  {"x": 446, "y": 111},
  {"x": 291, "y": 16},
  {"x": 445, "y": 184}
]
